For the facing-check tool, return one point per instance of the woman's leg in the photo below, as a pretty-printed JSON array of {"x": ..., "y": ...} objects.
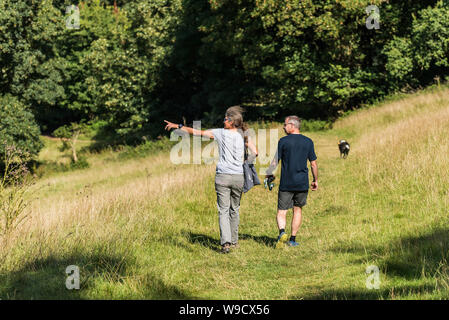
[
  {"x": 236, "y": 195},
  {"x": 223, "y": 205}
]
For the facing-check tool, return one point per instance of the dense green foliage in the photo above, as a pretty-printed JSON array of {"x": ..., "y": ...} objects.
[
  {"x": 132, "y": 64},
  {"x": 31, "y": 67},
  {"x": 17, "y": 128}
]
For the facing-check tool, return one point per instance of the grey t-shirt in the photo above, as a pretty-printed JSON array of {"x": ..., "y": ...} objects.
[{"x": 230, "y": 151}]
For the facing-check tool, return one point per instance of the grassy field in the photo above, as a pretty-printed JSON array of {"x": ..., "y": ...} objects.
[{"x": 145, "y": 228}]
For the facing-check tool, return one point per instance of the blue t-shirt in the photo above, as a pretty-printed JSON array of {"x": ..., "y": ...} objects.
[
  {"x": 230, "y": 151},
  {"x": 294, "y": 150}
]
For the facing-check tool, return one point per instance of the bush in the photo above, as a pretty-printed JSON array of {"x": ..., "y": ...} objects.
[
  {"x": 80, "y": 164},
  {"x": 315, "y": 125},
  {"x": 145, "y": 149},
  {"x": 18, "y": 128},
  {"x": 431, "y": 38}
]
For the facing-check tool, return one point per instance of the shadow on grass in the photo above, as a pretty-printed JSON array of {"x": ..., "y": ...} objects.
[
  {"x": 406, "y": 257},
  {"x": 265, "y": 240},
  {"x": 101, "y": 277},
  {"x": 381, "y": 294},
  {"x": 205, "y": 241},
  {"x": 421, "y": 258},
  {"x": 214, "y": 244}
]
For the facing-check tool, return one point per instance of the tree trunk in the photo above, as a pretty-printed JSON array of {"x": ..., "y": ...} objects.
[{"x": 74, "y": 139}]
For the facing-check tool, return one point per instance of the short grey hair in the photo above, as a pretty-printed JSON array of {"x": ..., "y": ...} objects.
[{"x": 294, "y": 120}]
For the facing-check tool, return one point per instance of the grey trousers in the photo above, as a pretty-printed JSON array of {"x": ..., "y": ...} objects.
[{"x": 229, "y": 188}]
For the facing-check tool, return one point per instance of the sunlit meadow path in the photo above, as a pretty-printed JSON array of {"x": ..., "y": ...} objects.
[{"x": 148, "y": 229}]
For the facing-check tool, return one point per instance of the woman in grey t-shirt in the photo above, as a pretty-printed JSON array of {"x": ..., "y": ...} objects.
[{"x": 229, "y": 179}]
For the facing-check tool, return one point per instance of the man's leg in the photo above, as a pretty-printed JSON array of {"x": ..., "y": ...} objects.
[
  {"x": 296, "y": 220},
  {"x": 281, "y": 219},
  {"x": 284, "y": 203},
  {"x": 299, "y": 200}
]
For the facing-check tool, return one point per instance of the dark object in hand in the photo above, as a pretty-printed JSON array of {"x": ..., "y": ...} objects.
[
  {"x": 268, "y": 182},
  {"x": 343, "y": 145}
]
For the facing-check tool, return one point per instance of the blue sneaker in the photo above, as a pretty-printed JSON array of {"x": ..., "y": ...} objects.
[
  {"x": 282, "y": 239},
  {"x": 292, "y": 243}
]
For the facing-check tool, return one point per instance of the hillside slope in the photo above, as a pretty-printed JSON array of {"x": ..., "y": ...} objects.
[{"x": 148, "y": 229}]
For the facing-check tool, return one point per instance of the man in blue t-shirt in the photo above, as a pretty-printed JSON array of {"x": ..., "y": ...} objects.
[{"x": 293, "y": 150}]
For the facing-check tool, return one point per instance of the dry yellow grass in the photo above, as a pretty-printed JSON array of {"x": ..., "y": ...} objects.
[
  {"x": 380, "y": 117},
  {"x": 416, "y": 147},
  {"x": 90, "y": 199}
]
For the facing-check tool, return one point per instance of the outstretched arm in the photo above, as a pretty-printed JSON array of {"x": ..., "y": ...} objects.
[{"x": 195, "y": 132}]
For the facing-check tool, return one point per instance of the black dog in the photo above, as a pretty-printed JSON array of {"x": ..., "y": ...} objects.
[{"x": 344, "y": 148}]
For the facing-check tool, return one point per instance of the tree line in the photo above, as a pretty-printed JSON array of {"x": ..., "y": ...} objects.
[{"x": 131, "y": 64}]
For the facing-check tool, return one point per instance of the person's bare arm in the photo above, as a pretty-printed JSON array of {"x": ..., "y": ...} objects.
[
  {"x": 253, "y": 149},
  {"x": 273, "y": 165},
  {"x": 193, "y": 131},
  {"x": 314, "y": 167}
]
